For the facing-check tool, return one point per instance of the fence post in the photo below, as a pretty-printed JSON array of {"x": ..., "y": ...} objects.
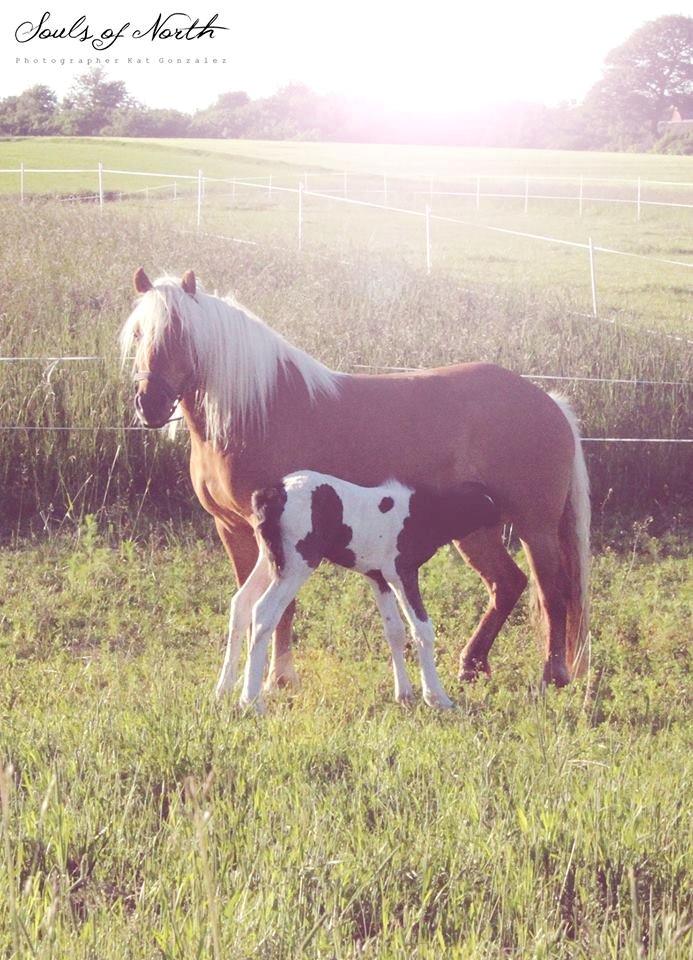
[
  {"x": 526, "y": 192},
  {"x": 100, "y": 187},
  {"x": 21, "y": 182},
  {"x": 478, "y": 191},
  {"x": 428, "y": 238},
  {"x": 580, "y": 195},
  {"x": 199, "y": 198},
  {"x": 593, "y": 280},
  {"x": 300, "y": 216},
  {"x": 638, "y": 202}
]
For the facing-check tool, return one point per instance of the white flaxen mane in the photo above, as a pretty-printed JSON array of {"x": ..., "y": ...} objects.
[{"x": 235, "y": 357}]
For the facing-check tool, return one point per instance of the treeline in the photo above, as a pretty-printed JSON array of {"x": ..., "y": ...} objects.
[{"x": 644, "y": 81}]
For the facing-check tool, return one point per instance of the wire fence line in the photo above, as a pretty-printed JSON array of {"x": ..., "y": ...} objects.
[
  {"x": 630, "y": 381},
  {"x": 145, "y": 431},
  {"x": 267, "y": 185}
]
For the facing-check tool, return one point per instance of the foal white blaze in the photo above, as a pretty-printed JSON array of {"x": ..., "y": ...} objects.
[{"x": 385, "y": 533}]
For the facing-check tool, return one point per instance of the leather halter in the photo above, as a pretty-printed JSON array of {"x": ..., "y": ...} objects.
[{"x": 171, "y": 394}]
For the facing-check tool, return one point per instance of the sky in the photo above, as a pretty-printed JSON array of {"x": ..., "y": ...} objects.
[{"x": 428, "y": 54}]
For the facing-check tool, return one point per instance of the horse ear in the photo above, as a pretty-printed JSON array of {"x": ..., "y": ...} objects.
[
  {"x": 188, "y": 282},
  {"x": 141, "y": 281}
]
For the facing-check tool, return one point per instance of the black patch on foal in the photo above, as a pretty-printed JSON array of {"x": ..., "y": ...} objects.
[
  {"x": 387, "y": 503},
  {"x": 330, "y": 536},
  {"x": 268, "y": 506},
  {"x": 436, "y": 518},
  {"x": 378, "y": 579}
]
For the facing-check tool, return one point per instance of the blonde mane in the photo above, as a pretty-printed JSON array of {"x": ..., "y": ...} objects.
[{"x": 236, "y": 358}]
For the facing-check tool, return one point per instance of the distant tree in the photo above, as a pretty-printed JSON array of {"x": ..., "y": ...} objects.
[
  {"x": 33, "y": 113},
  {"x": 136, "y": 121},
  {"x": 643, "y": 79},
  {"x": 92, "y": 102},
  {"x": 227, "y": 117}
]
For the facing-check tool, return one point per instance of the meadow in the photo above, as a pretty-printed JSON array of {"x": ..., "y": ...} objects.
[
  {"x": 649, "y": 292},
  {"x": 141, "y": 820}
]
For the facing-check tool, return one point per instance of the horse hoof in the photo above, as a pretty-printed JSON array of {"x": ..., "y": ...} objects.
[
  {"x": 554, "y": 675},
  {"x": 470, "y": 672},
  {"x": 405, "y": 698}
]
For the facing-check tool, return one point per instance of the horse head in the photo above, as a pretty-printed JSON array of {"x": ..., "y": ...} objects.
[{"x": 163, "y": 366}]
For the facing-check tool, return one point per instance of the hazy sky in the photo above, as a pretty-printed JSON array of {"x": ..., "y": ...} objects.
[{"x": 403, "y": 54}]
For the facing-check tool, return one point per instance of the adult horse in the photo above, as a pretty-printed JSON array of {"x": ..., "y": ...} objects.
[{"x": 258, "y": 408}]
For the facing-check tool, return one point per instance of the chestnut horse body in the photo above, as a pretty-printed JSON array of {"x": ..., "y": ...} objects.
[{"x": 440, "y": 427}]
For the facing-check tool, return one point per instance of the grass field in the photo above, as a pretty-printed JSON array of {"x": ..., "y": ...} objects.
[
  {"x": 145, "y": 822},
  {"x": 653, "y": 294},
  {"x": 142, "y": 821}
]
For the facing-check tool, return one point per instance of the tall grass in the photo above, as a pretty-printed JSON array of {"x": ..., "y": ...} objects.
[{"x": 66, "y": 275}]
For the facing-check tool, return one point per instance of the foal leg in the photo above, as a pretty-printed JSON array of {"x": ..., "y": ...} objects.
[
  {"x": 241, "y": 546},
  {"x": 239, "y": 621},
  {"x": 409, "y": 597},
  {"x": 395, "y": 634},
  {"x": 484, "y": 552},
  {"x": 543, "y": 550},
  {"x": 267, "y": 613}
]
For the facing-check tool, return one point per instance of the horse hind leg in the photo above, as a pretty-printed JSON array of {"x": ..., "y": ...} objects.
[
  {"x": 543, "y": 551},
  {"x": 485, "y": 552}
]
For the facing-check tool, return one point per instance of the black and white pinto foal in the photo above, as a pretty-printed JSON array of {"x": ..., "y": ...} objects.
[{"x": 385, "y": 533}]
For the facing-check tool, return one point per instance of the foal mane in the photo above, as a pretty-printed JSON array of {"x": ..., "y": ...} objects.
[{"x": 235, "y": 357}]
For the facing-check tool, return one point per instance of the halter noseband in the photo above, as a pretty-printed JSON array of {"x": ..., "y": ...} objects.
[{"x": 170, "y": 393}]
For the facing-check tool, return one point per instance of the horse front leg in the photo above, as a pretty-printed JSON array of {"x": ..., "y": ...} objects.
[{"x": 240, "y": 544}]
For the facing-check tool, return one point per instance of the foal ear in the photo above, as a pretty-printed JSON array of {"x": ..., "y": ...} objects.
[
  {"x": 188, "y": 282},
  {"x": 141, "y": 281}
]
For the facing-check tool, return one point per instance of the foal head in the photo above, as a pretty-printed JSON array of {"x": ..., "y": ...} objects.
[{"x": 164, "y": 362}]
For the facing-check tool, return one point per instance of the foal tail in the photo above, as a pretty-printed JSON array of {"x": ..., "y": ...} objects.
[{"x": 574, "y": 539}]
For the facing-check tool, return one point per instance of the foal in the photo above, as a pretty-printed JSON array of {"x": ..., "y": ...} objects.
[{"x": 385, "y": 533}]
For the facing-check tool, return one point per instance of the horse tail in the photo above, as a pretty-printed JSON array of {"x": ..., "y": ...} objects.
[{"x": 574, "y": 540}]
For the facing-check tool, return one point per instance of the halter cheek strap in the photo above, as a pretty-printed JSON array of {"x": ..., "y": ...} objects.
[
  {"x": 168, "y": 391},
  {"x": 171, "y": 394}
]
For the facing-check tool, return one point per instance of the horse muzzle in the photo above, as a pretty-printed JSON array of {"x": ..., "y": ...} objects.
[{"x": 155, "y": 405}]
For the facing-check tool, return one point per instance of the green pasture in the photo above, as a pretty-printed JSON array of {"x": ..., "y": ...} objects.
[
  {"x": 649, "y": 292},
  {"x": 142, "y": 821}
]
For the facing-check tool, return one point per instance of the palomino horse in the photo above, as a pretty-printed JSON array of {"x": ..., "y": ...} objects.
[{"x": 258, "y": 408}]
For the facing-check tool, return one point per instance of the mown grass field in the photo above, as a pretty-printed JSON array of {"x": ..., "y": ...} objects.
[
  {"x": 141, "y": 820},
  {"x": 652, "y": 294}
]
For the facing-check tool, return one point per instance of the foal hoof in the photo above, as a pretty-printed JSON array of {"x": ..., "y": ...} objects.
[
  {"x": 256, "y": 706},
  {"x": 441, "y": 701},
  {"x": 471, "y": 671},
  {"x": 405, "y": 698}
]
